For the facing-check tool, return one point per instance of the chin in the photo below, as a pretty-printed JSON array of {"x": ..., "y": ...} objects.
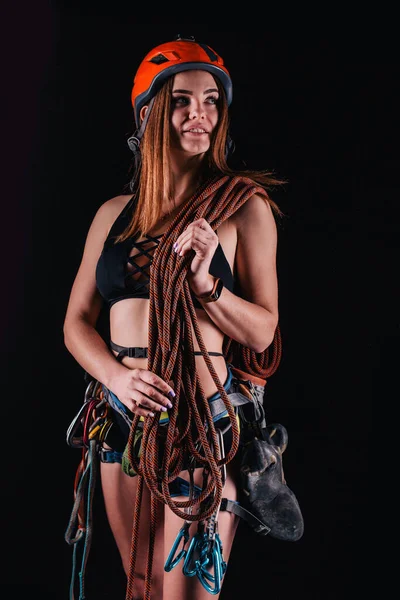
[
  {"x": 196, "y": 148},
  {"x": 191, "y": 148}
]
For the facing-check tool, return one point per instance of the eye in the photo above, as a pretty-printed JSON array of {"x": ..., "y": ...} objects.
[
  {"x": 212, "y": 100},
  {"x": 180, "y": 100}
]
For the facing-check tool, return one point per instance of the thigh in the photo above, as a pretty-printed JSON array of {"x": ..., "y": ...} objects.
[
  {"x": 176, "y": 585},
  {"x": 119, "y": 491}
]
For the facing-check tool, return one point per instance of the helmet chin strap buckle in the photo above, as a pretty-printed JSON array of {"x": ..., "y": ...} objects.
[{"x": 133, "y": 143}]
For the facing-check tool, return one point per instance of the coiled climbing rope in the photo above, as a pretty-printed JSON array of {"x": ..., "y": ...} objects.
[{"x": 191, "y": 429}]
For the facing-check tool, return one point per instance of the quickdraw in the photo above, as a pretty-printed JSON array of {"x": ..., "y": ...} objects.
[
  {"x": 87, "y": 431},
  {"x": 174, "y": 559},
  {"x": 203, "y": 558},
  {"x": 205, "y": 554}
]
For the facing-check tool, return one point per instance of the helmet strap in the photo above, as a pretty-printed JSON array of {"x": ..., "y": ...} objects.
[
  {"x": 134, "y": 141},
  {"x": 229, "y": 147}
]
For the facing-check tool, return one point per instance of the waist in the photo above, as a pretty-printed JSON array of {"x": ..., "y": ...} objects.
[
  {"x": 218, "y": 413},
  {"x": 134, "y": 356}
]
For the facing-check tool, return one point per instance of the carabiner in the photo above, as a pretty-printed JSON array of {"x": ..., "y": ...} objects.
[
  {"x": 189, "y": 566},
  {"x": 80, "y": 441},
  {"x": 172, "y": 560},
  {"x": 104, "y": 430},
  {"x": 216, "y": 562},
  {"x": 74, "y": 440}
]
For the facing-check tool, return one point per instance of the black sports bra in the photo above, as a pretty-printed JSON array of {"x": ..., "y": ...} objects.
[{"x": 119, "y": 276}]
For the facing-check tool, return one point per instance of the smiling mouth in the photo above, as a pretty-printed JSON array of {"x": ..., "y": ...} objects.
[{"x": 195, "y": 130}]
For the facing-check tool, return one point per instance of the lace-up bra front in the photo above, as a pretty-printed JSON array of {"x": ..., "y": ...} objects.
[{"x": 122, "y": 270}]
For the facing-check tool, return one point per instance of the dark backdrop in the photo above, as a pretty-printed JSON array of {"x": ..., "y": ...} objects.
[{"x": 309, "y": 106}]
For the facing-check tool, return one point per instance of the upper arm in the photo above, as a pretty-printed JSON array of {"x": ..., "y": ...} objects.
[
  {"x": 256, "y": 253},
  {"x": 85, "y": 300}
]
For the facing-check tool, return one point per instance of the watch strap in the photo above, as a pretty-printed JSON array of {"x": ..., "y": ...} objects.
[{"x": 215, "y": 292}]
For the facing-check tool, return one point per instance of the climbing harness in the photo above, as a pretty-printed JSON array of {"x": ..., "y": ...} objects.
[{"x": 202, "y": 556}]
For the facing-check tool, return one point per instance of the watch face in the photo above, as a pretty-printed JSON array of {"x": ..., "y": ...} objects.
[{"x": 219, "y": 289}]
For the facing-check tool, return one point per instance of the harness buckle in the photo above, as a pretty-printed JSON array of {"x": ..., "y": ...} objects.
[{"x": 136, "y": 352}]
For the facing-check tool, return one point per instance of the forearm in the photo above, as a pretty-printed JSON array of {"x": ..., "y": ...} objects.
[
  {"x": 249, "y": 324},
  {"x": 89, "y": 349}
]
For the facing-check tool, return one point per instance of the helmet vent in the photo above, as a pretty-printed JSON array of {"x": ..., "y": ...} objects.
[
  {"x": 210, "y": 53},
  {"x": 159, "y": 59}
]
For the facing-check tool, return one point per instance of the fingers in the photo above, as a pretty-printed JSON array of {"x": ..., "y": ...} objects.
[
  {"x": 199, "y": 246},
  {"x": 147, "y": 396},
  {"x": 142, "y": 405},
  {"x": 155, "y": 381},
  {"x": 195, "y": 239},
  {"x": 141, "y": 411}
]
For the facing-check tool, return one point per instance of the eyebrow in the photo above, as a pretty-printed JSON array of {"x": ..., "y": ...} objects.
[{"x": 191, "y": 93}]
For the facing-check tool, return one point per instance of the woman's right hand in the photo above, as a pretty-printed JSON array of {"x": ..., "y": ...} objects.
[{"x": 142, "y": 391}]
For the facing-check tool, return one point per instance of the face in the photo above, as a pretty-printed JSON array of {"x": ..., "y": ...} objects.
[{"x": 194, "y": 111}]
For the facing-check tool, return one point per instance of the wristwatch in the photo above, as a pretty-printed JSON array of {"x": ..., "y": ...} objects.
[{"x": 215, "y": 292}]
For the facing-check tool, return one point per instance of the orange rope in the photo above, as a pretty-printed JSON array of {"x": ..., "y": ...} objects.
[{"x": 171, "y": 316}]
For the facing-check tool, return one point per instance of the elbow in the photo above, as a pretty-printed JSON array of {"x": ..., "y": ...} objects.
[
  {"x": 262, "y": 344},
  {"x": 262, "y": 347},
  {"x": 68, "y": 329},
  {"x": 66, "y": 336}
]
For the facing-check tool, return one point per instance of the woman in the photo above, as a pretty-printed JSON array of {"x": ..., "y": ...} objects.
[{"x": 210, "y": 236}]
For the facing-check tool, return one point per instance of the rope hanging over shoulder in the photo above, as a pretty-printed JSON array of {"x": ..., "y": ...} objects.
[{"x": 191, "y": 429}]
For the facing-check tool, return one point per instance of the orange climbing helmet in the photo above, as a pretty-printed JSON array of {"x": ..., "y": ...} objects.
[{"x": 169, "y": 58}]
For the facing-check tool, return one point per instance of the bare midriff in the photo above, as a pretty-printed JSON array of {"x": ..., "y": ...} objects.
[{"x": 129, "y": 319}]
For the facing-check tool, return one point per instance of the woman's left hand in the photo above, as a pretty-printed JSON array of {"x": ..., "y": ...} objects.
[{"x": 200, "y": 237}]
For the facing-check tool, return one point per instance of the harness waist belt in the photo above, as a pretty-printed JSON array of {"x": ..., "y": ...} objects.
[{"x": 139, "y": 352}]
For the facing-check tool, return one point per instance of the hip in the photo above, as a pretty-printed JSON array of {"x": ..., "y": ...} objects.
[{"x": 122, "y": 417}]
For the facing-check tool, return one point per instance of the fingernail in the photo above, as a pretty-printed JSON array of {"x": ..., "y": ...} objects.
[
  {"x": 171, "y": 393},
  {"x": 150, "y": 414},
  {"x": 175, "y": 245},
  {"x": 169, "y": 405}
]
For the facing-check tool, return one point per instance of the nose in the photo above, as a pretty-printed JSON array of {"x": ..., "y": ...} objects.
[{"x": 196, "y": 111}]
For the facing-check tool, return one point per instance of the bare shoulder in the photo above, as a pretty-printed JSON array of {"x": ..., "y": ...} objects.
[
  {"x": 109, "y": 211},
  {"x": 256, "y": 211},
  {"x": 256, "y": 253}
]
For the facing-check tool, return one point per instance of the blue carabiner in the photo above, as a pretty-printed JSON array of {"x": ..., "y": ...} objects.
[
  {"x": 218, "y": 564},
  {"x": 173, "y": 560},
  {"x": 190, "y": 561}
]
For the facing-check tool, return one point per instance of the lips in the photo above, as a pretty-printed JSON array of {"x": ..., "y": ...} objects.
[{"x": 195, "y": 130}]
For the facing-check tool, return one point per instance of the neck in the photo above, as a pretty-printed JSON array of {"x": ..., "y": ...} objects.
[{"x": 186, "y": 178}]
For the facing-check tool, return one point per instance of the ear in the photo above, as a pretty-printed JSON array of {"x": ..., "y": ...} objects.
[{"x": 143, "y": 112}]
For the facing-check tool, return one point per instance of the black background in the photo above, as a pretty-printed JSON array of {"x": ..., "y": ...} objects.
[{"x": 318, "y": 108}]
